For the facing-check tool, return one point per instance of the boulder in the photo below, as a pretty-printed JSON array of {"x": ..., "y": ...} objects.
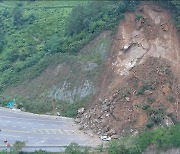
[
  {"x": 165, "y": 89},
  {"x": 81, "y": 111},
  {"x": 127, "y": 99},
  {"x": 111, "y": 132},
  {"x": 77, "y": 120},
  {"x": 115, "y": 136},
  {"x": 148, "y": 92}
]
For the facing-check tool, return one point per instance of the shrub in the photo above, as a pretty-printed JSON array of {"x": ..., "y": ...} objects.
[
  {"x": 138, "y": 16},
  {"x": 162, "y": 138},
  {"x": 150, "y": 124},
  {"x": 173, "y": 118},
  {"x": 170, "y": 97},
  {"x": 40, "y": 152},
  {"x": 140, "y": 90},
  {"x": 74, "y": 148},
  {"x": 71, "y": 110},
  {"x": 151, "y": 99},
  {"x": 17, "y": 147}
]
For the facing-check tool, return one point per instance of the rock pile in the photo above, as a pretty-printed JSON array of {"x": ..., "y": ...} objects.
[{"x": 131, "y": 106}]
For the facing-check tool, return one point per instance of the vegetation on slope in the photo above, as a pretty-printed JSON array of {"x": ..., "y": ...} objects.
[
  {"x": 33, "y": 33},
  {"x": 33, "y": 39},
  {"x": 28, "y": 36}
]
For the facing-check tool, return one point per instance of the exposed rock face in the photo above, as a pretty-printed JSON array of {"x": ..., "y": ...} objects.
[{"x": 65, "y": 93}]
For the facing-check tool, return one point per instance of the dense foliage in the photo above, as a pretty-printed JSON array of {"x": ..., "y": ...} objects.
[
  {"x": 27, "y": 36},
  {"x": 161, "y": 138}
]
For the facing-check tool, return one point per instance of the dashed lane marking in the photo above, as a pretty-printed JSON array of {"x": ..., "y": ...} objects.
[
  {"x": 67, "y": 132},
  {"x": 53, "y": 131},
  {"x": 60, "y": 131},
  {"x": 14, "y": 131},
  {"x": 9, "y": 135},
  {"x": 44, "y": 131}
]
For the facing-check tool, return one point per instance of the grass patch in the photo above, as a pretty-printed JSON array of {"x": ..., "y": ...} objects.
[
  {"x": 141, "y": 89},
  {"x": 170, "y": 97},
  {"x": 138, "y": 16},
  {"x": 151, "y": 99}
]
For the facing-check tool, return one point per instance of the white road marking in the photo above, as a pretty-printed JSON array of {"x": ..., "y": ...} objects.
[
  {"x": 42, "y": 124},
  {"x": 30, "y": 123},
  {"x": 19, "y": 122},
  {"x": 53, "y": 131},
  {"x": 34, "y": 131},
  {"x": 9, "y": 135},
  {"x": 41, "y": 141},
  {"x": 47, "y": 131},
  {"x": 60, "y": 131},
  {"x": 70, "y": 131},
  {"x": 30, "y": 137},
  {"x": 67, "y": 132},
  {"x": 40, "y": 131}
]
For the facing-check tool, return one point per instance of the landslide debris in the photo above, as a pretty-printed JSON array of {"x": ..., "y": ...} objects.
[
  {"x": 149, "y": 97},
  {"x": 139, "y": 84}
]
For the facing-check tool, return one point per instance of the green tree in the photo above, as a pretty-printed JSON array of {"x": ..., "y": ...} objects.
[
  {"x": 17, "y": 16},
  {"x": 17, "y": 147}
]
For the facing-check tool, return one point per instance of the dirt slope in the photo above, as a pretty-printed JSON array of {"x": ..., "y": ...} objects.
[{"x": 137, "y": 90}]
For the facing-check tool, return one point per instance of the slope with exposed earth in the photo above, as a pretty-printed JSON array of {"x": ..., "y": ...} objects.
[{"x": 140, "y": 86}]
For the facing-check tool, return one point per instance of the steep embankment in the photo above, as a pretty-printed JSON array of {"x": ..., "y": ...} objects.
[
  {"x": 140, "y": 85},
  {"x": 67, "y": 83}
]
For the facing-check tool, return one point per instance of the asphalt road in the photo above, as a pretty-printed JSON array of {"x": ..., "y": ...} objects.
[{"x": 50, "y": 133}]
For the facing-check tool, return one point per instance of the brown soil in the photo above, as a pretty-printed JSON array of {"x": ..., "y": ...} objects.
[
  {"x": 136, "y": 101},
  {"x": 119, "y": 105}
]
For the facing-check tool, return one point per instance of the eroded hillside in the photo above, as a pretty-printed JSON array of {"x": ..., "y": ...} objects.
[{"x": 140, "y": 86}]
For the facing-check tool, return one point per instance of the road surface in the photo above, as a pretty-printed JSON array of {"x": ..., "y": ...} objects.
[{"x": 50, "y": 133}]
